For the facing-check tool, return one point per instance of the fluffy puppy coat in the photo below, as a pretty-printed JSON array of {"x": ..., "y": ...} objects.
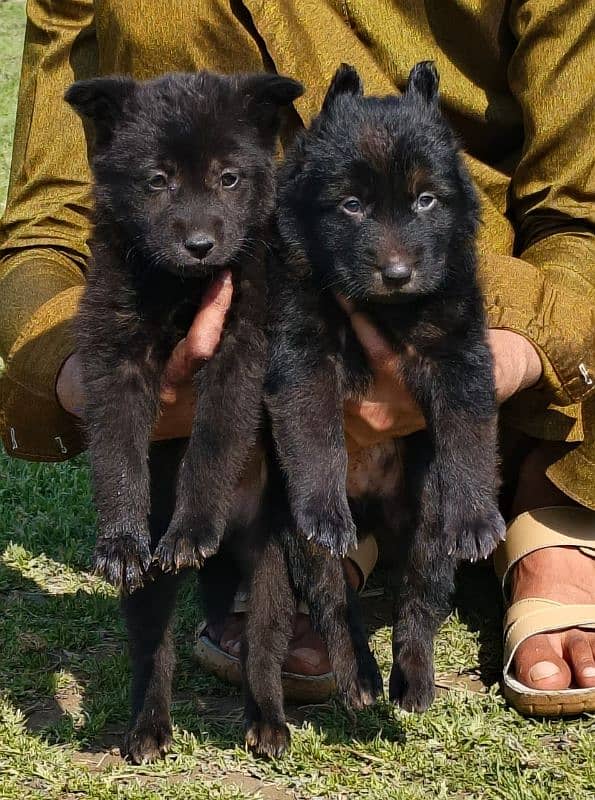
[
  {"x": 184, "y": 187},
  {"x": 375, "y": 204}
]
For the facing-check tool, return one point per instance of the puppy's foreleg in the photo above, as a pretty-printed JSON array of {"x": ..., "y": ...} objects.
[
  {"x": 224, "y": 432},
  {"x": 120, "y": 411},
  {"x": 456, "y": 395},
  {"x": 306, "y": 410}
]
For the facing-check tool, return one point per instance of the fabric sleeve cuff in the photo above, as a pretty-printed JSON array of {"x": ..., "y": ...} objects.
[
  {"x": 553, "y": 315},
  {"x": 32, "y": 422}
]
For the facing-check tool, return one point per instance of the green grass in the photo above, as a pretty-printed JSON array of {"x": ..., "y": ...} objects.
[
  {"x": 64, "y": 673},
  {"x": 12, "y": 28}
]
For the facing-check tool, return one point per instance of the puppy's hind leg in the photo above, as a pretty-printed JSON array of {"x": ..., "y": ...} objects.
[
  {"x": 422, "y": 604},
  {"x": 269, "y": 626},
  {"x": 148, "y": 613},
  {"x": 335, "y": 614},
  {"x": 423, "y": 581}
]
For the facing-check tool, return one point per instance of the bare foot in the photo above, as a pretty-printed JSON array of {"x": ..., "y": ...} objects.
[
  {"x": 307, "y": 653},
  {"x": 566, "y": 658}
]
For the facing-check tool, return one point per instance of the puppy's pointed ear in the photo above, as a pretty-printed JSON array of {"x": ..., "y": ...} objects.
[
  {"x": 423, "y": 80},
  {"x": 102, "y": 101},
  {"x": 266, "y": 95},
  {"x": 268, "y": 88},
  {"x": 345, "y": 81}
]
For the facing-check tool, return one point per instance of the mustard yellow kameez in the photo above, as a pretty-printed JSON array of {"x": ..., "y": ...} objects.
[{"x": 517, "y": 81}]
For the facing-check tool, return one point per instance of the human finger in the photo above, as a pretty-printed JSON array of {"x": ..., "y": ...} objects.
[
  {"x": 205, "y": 332},
  {"x": 379, "y": 352}
]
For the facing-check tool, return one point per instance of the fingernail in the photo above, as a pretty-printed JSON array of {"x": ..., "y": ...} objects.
[
  {"x": 226, "y": 278},
  {"x": 589, "y": 672},
  {"x": 542, "y": 670}
]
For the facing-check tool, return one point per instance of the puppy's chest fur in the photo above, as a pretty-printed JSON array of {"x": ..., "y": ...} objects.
[
  {"x": 418, "y": 336},
  {"x": 149, "y": 314},
  {"x": 376, "y": 473}
]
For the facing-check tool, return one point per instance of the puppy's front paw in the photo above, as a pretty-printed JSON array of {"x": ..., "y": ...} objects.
[
  {"x": 122, "y": 558},
  {"x": 475, "y": 533},
  {"x": 148, "y": 740},
  {"x": 187, "y": 543},
  {"x": 269, "y": 739},
  {"x": 327, "y": 522}
]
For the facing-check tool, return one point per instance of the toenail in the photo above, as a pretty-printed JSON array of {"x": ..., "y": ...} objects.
[
  {"x": 589, "y": 672},
  {"x": 542, "y": 670}
]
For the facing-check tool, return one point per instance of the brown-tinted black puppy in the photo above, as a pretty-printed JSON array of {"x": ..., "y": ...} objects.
[
  {"x": 375, "y": 204},
  {"x": 288, "y": 569},
  {"x": 184, "y": 187}
]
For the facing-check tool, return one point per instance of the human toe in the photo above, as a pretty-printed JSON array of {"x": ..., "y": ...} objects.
[
  {"x": 580, "y": 653},
  {"x": 539, "y": 666}
]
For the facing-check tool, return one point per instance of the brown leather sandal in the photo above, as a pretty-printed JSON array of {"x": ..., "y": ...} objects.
[
  {"x": 555, "y": 526},
  {"x": 307, "y": 689}
]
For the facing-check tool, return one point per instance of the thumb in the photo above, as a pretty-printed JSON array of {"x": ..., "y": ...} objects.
[
  {"x": 205, "y": 332},
  {"x": 379, "y": 353},
  {"x": 202, "y": 339}
]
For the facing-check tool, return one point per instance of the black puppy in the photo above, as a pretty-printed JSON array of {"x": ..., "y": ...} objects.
[
  {"x": 375, "y": 204},
  {"x": 287, "y": 569},
  {"x": 184, "y": 187}
]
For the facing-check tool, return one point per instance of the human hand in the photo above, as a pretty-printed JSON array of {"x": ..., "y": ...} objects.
[
  {"x": 177, "y": 394},
  {"x": 517, "y": 364},
  {"x": 389, "y": 411}
]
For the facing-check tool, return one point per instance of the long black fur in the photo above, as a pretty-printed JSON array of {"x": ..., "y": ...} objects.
[
  {"x": 168, "y": 218},
  {"x": 286, "y": 569},
  {"x": 376, "y": 204}
]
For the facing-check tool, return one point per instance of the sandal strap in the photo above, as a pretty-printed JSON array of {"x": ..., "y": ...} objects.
[
  {"x": 534, "y": 615},
  {"x": 552, "y": 526}
]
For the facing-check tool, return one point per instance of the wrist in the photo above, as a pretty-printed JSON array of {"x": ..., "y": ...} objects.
[
  {"x": 533, "y": 367},
  {"x": 517, "y": 364}
]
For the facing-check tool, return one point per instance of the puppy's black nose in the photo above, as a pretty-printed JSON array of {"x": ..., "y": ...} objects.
[
  {"x": 396, "y": 271},
  {"x": 199, "y": 244}
]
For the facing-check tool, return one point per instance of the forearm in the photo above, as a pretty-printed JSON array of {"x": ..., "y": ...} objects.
[
  {"x": 40, "y": 291},
  {"x": 551, "y": 196},
  {"x": 43, "y": 233}
]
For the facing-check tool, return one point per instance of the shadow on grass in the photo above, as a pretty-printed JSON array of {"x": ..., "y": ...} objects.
[
  {"x": 478, "y": 601},
  {"x": 64, "y": 658},
  {"x": 64, "y": 664}
]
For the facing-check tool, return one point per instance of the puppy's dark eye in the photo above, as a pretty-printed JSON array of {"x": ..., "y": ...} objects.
[
  {"x": 158, "y": 182},
  {"x": 229, "y": 179},
  {"x": 426, "y": 201},
  {"x": 352, "y": 206}
]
